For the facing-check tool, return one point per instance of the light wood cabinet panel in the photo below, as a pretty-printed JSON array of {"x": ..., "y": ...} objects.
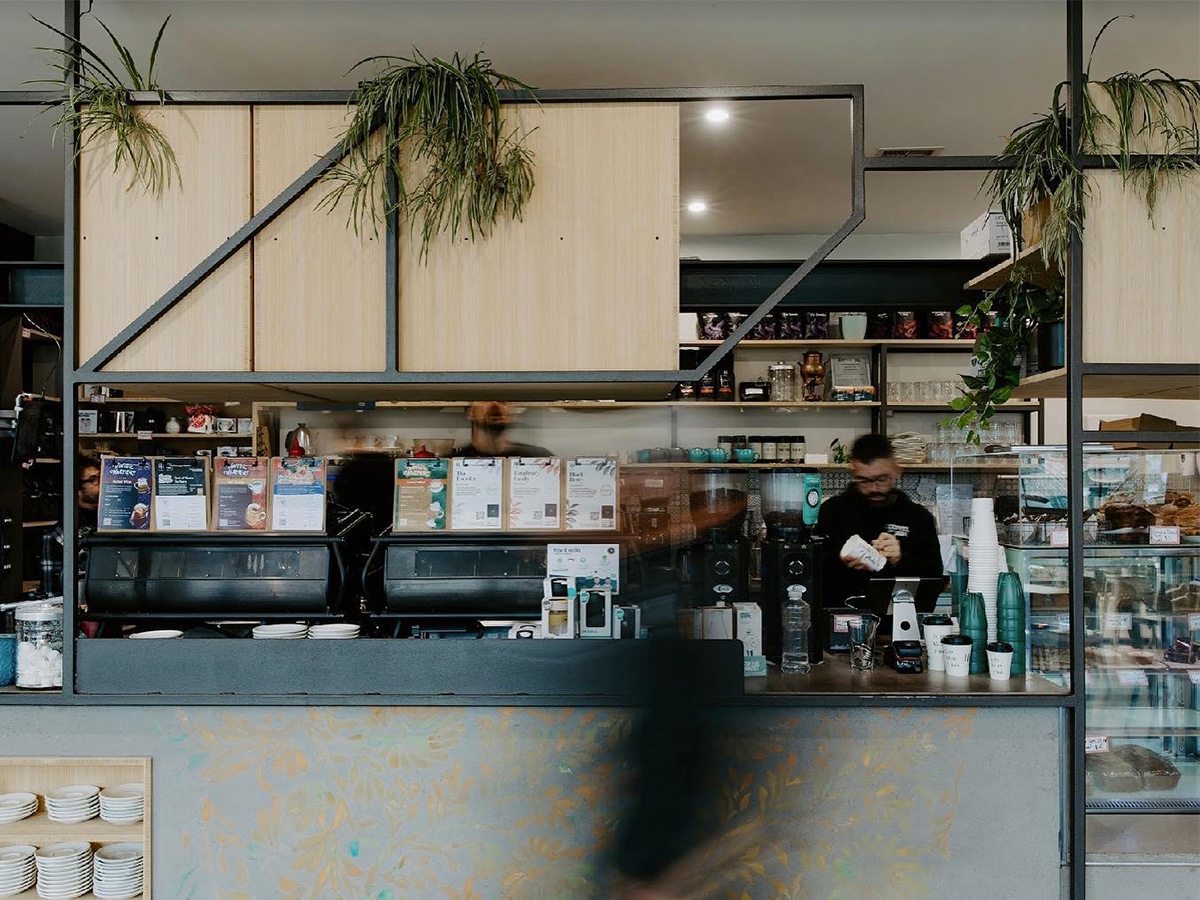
[
  {"x": 589, "y": 279},
  {"x": 319, "y": 301},
  {"x": 133, "y": 247},
  {"x": 1140, "y": 275}
]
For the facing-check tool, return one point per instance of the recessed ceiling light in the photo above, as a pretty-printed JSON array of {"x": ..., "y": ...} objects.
[
  {"x": 717, "y": 115},
  {"x": 697, "y": 206}
]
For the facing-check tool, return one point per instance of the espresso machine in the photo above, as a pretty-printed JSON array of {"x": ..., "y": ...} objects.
[
  {"x": 791, "y": 553},
  {"x": 719, "y": 560}
]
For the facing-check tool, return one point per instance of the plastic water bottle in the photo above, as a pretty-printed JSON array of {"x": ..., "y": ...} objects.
[{"x": 797, "y": 617}]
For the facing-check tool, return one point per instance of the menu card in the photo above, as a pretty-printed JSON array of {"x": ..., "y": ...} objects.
[
  {"x": 591, "y": 494},
  {"x": 240, "y": 493},
  {"x": 180, "y": 493},
  {"x": 476, "y": 494},
  {"x": 125, "y": 495},
  {"x": 419, "y": 497},
  {"x": 534, "y": 493},
  {"x": 298, "y": 493}
]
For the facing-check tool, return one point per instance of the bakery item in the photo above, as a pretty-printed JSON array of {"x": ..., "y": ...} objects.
[
  {"x": 1155, "y": 772},
  {"x": 1112, "y": 772}
]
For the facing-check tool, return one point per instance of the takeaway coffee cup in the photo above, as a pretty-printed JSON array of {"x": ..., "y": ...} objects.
[
  {"x": 936, "y": 628},
  {"x": 957, "y": 651},
  {"x": 999, "y": 656}
]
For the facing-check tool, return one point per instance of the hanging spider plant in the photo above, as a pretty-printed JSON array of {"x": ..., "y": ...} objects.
[
  {"x": 443, "y": 140},
  {"x": 101, "y": 106},
  {"x": 1151, "y": 107}
]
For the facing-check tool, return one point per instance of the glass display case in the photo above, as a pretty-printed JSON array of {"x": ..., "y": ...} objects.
[{"x": 1141, "y": 623}]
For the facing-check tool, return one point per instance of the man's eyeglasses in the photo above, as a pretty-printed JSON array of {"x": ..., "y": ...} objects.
[{"x": 877, "y": 481}]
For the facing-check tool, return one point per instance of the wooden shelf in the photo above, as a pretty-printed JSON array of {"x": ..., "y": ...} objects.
[
  {"x": 38, "y": 829},
  {"x": 133, "y": 436},
  {"x": 1030, "y": 257},
  {"x": 1132, "y": 386},
  {"x": 889, "y": 344},
  {"x": 907, "y": 467},
  {"x": 42, "y": 523},
  {"x": 934, "y": 407}
]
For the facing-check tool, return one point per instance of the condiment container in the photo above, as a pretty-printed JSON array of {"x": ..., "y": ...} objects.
[
  {"x": 39, "y": 646},
  {"x": 782, "y": 378}
]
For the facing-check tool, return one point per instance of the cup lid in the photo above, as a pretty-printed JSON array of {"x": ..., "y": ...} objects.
[
  {"x": 43, "y": 612},
  {"x": 959, "y": 640}
]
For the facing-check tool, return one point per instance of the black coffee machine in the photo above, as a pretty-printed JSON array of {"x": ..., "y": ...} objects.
[
  {"x": 791, "y": 554},
  {"x": 719, "y": 560}
]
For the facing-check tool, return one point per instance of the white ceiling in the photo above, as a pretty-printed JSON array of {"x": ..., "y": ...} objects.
[{"x": 952, "y": 73}]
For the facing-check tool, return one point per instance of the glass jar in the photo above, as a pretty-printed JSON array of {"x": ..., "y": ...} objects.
[
  {"x": 783, "y": 448},
  {"x": 755, "y": 443},
  {"x": 769, "y": 449},
  {"x": 39, "y": 646},
  {"x": 782, "y": 377},
  {"x": 799, "y": 448}
]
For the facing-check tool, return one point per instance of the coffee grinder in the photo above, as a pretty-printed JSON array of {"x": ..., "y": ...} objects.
[
  {"x": 720, "y": 557},
  {"x": 791, "y": 553}
]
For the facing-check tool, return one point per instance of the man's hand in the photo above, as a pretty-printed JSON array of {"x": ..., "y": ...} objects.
[
  {"x": 853, "y": 562},
  {"x": 889, "y": 546}
]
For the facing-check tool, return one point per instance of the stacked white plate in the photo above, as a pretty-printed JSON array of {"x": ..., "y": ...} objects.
[
  {"x": 334, "y": 631},
  {"x": 284, "y": 631},
  {"x": 17, "y": 870},
  {"x": 117, "y": 871},
  {"x": 161, "y": 634},
  {"x": 76, "y": 803},
  {"x": 17, "y": 806},
  {"x": 64, "y": 871},
  {"x": 123, "y": 804}
]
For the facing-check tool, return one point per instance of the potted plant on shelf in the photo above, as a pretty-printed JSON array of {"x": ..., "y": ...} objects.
[
  {"x": 1121, "y": 116},
  {"x": 1007, "y": 320},
  {"x": 443, "y": 139},
  {"x": 101, "y": 106}
]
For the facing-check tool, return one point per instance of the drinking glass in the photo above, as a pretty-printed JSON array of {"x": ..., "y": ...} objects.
[{"x": 862, "y": 642}]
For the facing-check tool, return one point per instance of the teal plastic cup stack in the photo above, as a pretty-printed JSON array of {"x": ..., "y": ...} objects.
[
  {"x": 1010, "y": 617},
  {"x": 972, "y": 621}
]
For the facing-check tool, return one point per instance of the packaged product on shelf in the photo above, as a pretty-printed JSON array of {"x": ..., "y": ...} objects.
[
  {"x": 180, "y": 493},
  {"x": 240, "y": 498},
  {"x": 126, "y": 498},
  {"x": 904, "y": 325},
  {"x": 879, "y": 325},
  {"x": 298, "y": 493},
  {"x": 713, "y": 326},
  {"x": 419, "y": 501},
  {"x": 790, "y": 326},
  {"x": 591, "y": 494},
  {"x": 767, "y": 328},
  {"x": 941, "y": 325},
  {"x": 477, "y": 494},
  {"x": 534, "y": 493},
  {"x": 816, "y": 326}
]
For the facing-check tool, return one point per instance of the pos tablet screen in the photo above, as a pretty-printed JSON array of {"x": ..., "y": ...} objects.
[{"x": 880, "y": 591}]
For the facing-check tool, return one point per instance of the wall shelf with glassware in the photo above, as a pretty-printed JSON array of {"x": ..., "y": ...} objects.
[{"x": 156, "y": 436}]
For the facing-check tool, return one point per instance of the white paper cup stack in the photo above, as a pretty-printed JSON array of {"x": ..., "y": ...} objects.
[
  {"x": 123, "y": 804},
  {"x": 17, "y": 869},
  {"x": 284, "y": 631},
  {"x": 334, "y": 631},
  {"x": 17, "y": 806},
  {"x": 64, "y": 871},
  {"x": 984, "y": 558},
  {"x": 117, "y": 871},
  {"x": 76, "y": 803}
]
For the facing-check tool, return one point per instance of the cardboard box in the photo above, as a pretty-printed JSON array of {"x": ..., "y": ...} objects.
[
  {"x": 989, "y": 235},
  {"x": 717, "y": 622},
  {"x": 1144, "y": 422},
  {"x": 595, "y": 612},
  {"x": 419, "y": 495},
  {"x": 749, "y": 632},
  {"x": 89, "y": 421}
]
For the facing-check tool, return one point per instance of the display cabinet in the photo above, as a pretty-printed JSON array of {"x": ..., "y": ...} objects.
[{"x": 1141, "y": 612}]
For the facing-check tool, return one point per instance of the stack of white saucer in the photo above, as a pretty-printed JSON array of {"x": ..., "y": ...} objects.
[
  {"x": 118, "y": 871},
  {"x": 123, "y": 804},
  {"x": 76, "y": 803},
  {"x": 17, "y": 870},
  {"x": 334, "y": 631},
  {"x": 64, "y": 871},
  {"x": 284, "y": 631},
  {"x": 17, "y": 806}
]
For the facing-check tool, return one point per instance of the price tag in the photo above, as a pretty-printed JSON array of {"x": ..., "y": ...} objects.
[
  {"x": 1095, "y": 744},
  {"x": 1164, "y": 534},
  {"x": 1117, "y": 621},
  {"x": 145, "y": 435},
  {"x": 1194, "y": 676},
  {"x": 1132, "y": 678},
  {"x": 1060, "y": 537},
  {"x": 1194, "y": 622}
]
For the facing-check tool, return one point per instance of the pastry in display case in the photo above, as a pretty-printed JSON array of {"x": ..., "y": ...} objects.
[{"x": 1141, "y": 604}]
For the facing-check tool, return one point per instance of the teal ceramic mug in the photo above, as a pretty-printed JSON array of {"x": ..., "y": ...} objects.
[
  {"x": 698, "y": 455},
  {"x": 745, "y": 455},
  {"x": 718, "y": 454}
]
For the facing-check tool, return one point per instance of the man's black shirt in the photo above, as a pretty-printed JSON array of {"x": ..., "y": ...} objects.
[{"x": 849, "y": 513}]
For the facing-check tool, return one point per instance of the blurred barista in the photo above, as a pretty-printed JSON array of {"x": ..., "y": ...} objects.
[
  {"x": 490, "y": 420},
  {"x": 904, "y": 532}
]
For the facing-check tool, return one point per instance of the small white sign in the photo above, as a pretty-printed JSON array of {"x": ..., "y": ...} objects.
[
  {"x": 145, "y": 435},
  {"x": 1164, "y": 534},
  {"x": 1060, "y": 537},
  {"x": 1132, "y": 678},
  {"x": 601, "y": 563},
  {"x": 1194, "y": 676},
  {"x": 1095, "y": 744},
  {"x": 1118, "y": 621}
]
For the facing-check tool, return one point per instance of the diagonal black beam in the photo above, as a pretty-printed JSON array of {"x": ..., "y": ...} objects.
[
  {"x": 209, "y": 264},
  {"x": 858, "y": 214}
]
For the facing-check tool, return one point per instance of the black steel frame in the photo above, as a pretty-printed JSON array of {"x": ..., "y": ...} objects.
[{"x": 1072, "y": 705}]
